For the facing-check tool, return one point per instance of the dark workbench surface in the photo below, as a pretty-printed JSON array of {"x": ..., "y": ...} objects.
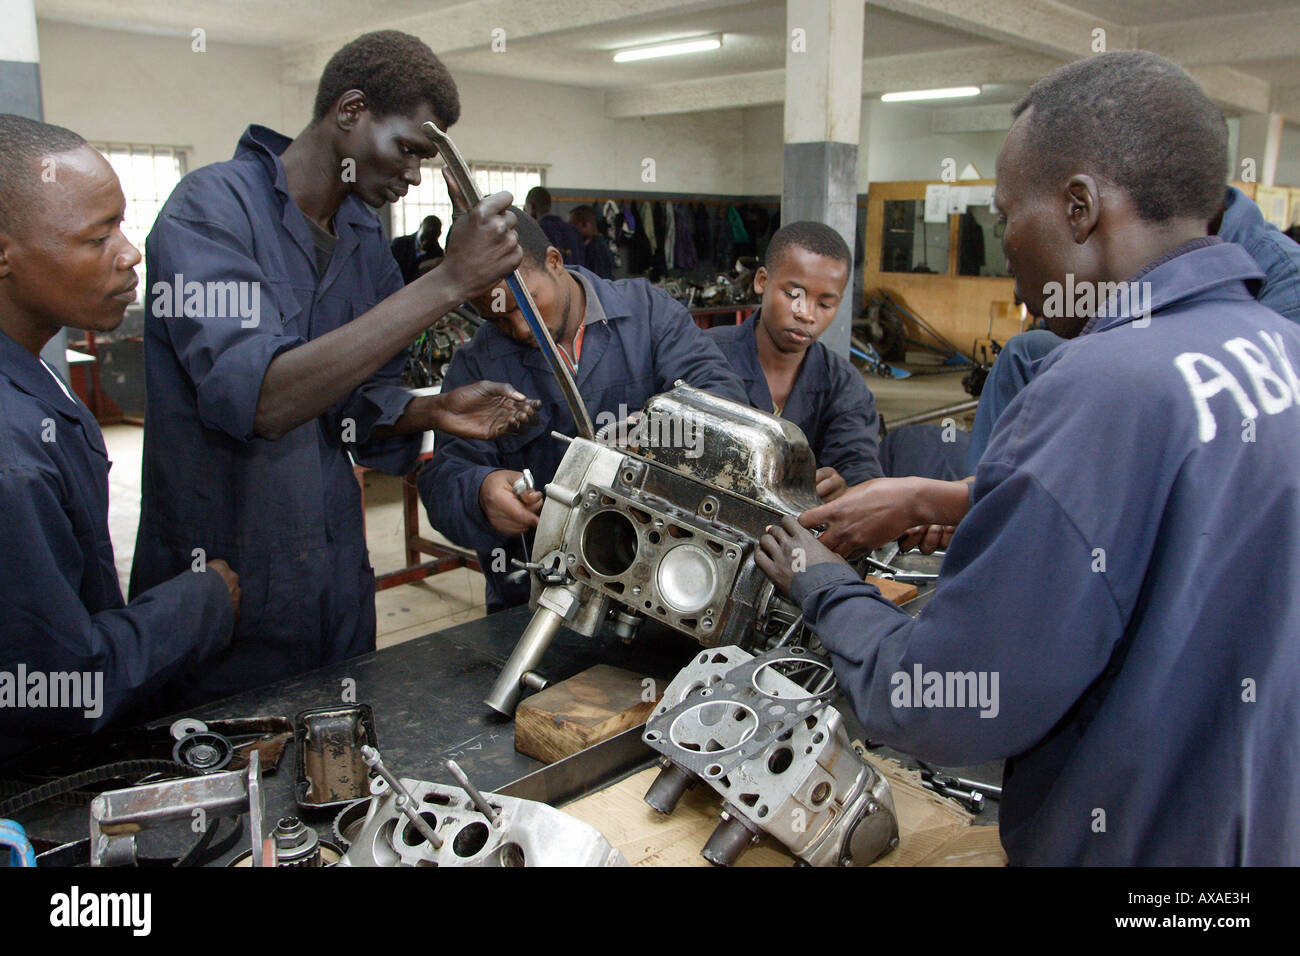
[{"x": 427, "y": 696}]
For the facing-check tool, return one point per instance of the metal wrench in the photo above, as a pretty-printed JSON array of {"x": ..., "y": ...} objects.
[{"x": 459, "y": 173}]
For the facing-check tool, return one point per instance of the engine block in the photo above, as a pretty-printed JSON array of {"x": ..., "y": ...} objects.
[
  {"x": 662, "y": 522},
  {"x": 761, "y": 732}
]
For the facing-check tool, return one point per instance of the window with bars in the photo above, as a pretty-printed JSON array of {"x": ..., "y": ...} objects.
[
  {"x": 431, "y": 198},
  {"x": 148, "y": 175}
]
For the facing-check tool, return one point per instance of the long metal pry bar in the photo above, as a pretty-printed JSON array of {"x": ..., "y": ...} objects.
[{"x": 459, "y": 173}]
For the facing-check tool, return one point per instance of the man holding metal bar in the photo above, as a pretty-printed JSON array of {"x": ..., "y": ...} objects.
[{"x": 256, "y": 413}]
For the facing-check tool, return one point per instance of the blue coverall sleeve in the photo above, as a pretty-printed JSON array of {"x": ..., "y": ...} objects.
[
  {"x": 1044, "y": 638},
  {"x": 683, "y": 351},
  {"x": 224, "y": 355},
  {"x": 48, "y": 627},
  {"x": 852, "y": 444},
  {"x": 381, "y": 400},
  {"x": 449, "y": 484}
]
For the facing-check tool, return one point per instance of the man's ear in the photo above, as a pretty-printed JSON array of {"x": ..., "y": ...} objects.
[
  {"x": 5, "y": 244},
  {"x": 760, "y": 280},
  {"x": 348, "y": 110},
  {"x": 1083, "y": 206},
  {"x": 554, "y": 261}
]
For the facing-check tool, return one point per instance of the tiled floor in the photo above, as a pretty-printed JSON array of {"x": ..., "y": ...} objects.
[{"x": 412, "y": 610}]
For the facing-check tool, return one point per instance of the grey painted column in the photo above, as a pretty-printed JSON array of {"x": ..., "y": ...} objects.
[
  {"x": 20, "y": 93},
  {"x": 823, "y": 112}
]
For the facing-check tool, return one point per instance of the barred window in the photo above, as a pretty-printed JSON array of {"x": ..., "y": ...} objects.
[
  {"x": 148, "y": 175},
  {"x": 430, "y": 198}
]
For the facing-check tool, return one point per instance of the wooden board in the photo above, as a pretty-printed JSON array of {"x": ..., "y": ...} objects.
[
  {"x": 895, "y": 591},
  {"x": 933, "y": 831},
  {"x": 582, "y": 711}
]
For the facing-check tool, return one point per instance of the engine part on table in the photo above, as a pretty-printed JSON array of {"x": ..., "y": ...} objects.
[
  {"x": 199, "y": 748},
  {"x": 329, "y": 769},
  {"x": 268, "y": 734},
  {"x": 490, "y": 830},
  {"x": 458, "y": 172},
  {"x": 182, "y": 728},
  {"x": 296, "y": 845},
  {"x": 760, "y": 731},
  {"x": 348, "y": 821},
  {"x": 330, "y": 855},
  {"x": 972, "y": 794},
  {"x": 663, "y": 524},
  {"x": 64, "y": 790},
  {"x": 116, "y": 816}
]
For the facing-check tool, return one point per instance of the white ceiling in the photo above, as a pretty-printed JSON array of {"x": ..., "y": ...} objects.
[{"x": 1250, "y": 61}]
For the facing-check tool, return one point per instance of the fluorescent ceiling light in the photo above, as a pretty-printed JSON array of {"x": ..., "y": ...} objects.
[
  {"x": 948, "y": 93},
  {"x": 697, "y": 45}
]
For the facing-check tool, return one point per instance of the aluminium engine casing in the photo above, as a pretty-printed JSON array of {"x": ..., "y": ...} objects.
[
  {"x": 777, "y": 754},
  {"x": 666, "y": 522},
  {"x": 524, "y": 833}
]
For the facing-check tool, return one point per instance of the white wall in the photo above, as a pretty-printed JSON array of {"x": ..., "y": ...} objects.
[
  {"x": 900, "y": 145},
  {"x": 896, "y": 143},
  {"x": 566, "y": 127},
  {"x": 134, "y": 88},
  {"x": 127, "y": 87}
]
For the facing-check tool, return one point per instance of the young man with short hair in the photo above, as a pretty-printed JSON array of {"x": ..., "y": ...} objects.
[
  {"x": 787, "y": 372},
  {"x": 65, "y": 262},
  {"x": 626, "y": 341},
  {"x": 562, "y": 236},
  {"x": 1095, "y": 582},
  {"x": 254, "y": 415},
  {"x": 595, "y": 250}
]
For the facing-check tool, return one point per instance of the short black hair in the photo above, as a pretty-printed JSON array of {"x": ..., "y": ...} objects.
[
  {"x": 397, "y": 73},
  {"x": 584, "y": 214},
  {"x": 532, "y": 240},
  {"x": 816, "y": 237},
  {"x": 1138, "y": 120},
  {"x": 23, "y": 144},
  {"x": 539, "y": 197}
]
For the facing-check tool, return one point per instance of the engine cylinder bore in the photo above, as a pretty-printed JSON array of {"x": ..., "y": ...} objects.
[
  {"x": 609, "y": 543},
  {"x": 686, "y": 578}
]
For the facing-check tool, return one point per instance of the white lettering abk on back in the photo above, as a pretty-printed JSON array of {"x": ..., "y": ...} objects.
[{"x": 1268, "y": 370}]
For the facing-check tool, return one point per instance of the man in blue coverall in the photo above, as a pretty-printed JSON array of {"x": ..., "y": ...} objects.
[
  {"x": 1240, "y": 221},
  {"x": 562, "y": 236},
  {"x": 1117, "y": 613},
  {"x": 596, "y": 256},
  {"x": 626, "y": 340},
  {"x": 787, "y": 372},
  {"x": 276, "y": 323},
  {"x": 64, "y": 261}
]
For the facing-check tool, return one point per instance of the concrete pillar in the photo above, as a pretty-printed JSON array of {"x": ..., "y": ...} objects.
[
  {"x": 20, "y": 93},
  {"x": 823, "y": 111},
  {"x": 1259, "y": 138}
]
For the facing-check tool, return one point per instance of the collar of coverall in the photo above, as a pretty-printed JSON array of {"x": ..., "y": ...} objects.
[
  {"x": 267, "y": 145},
  {"x": 1187, "y": 270}
]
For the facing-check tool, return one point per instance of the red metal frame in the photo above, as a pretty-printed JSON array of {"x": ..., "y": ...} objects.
[{"x": 447, "y": 557}]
